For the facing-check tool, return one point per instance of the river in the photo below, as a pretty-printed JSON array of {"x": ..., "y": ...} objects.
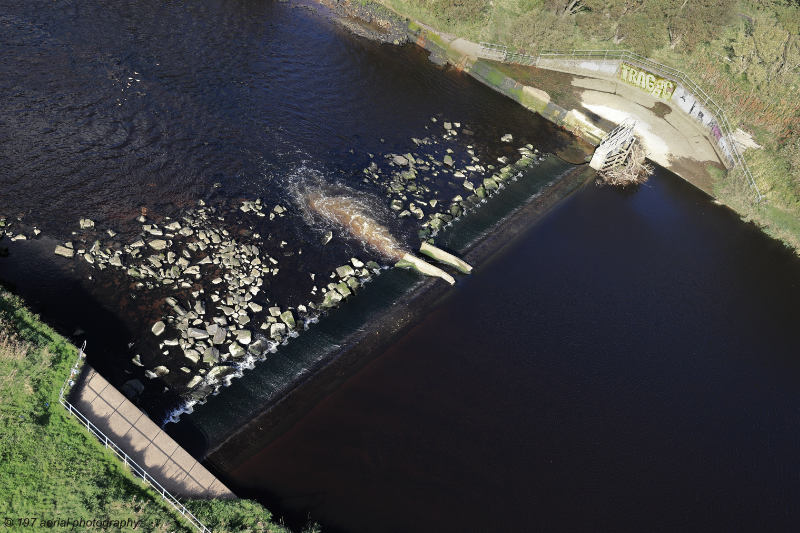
[{"x": 628, "y": 363}]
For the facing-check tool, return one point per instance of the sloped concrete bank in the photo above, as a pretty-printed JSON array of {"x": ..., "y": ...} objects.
[{"x": 680, "y": 135}]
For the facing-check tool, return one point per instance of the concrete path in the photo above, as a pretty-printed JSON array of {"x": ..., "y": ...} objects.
[{"x": 151, "y": 448}]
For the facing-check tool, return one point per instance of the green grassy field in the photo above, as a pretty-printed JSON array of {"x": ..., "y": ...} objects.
[
  {"x": 52, "y": 469},
  {"x": 744, "y": 53}
]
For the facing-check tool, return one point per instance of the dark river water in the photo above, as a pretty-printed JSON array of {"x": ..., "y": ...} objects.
[
  {"x": 629, "y": 363},
  {"x": 111, "y": 110}
]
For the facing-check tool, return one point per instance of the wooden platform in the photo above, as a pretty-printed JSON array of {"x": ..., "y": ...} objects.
[{"x": 139, "y": 437}]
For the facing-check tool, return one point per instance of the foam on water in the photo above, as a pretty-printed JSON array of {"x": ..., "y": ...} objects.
[{"x": 332, "y": 205}]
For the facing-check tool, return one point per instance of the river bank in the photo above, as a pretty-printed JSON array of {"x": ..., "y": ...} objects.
[
  {"x": 589, "y": 107},
  {"x": 54, "y": 470}
]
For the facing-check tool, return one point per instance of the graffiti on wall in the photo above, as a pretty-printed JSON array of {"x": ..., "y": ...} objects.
[{"x": 646, "y": 81}]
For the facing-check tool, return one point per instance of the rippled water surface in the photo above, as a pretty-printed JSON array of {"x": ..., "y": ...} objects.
[{"x": 113, "y": 109}]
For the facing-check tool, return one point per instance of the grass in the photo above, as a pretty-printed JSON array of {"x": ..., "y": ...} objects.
[{"x": 52, "y": 469}]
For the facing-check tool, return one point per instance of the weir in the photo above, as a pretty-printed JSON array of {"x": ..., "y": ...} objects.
[{"x": 268, "y": 399}]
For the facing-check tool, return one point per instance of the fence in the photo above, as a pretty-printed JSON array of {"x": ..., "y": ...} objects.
[
  {"x": 108, "y": 443},
  {"x": 493, "y": 51}
]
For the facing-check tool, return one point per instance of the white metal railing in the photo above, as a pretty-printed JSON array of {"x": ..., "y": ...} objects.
[
  {"x": 492, "y": 51},
  {"x": 497, "y": 52},
  {"x": 127, "y": 461}
]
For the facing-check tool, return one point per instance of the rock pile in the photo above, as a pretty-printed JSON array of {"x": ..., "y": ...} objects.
[{"x": 218, "y": 316}]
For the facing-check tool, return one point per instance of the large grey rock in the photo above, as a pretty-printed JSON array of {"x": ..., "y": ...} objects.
[
  {"x": 342, "y": 289},
  {"x": 244, "y": 336},
  {"x": 288, "y": 319},
  {"x": 236, "y": 350},
  {"x": 344, "y": 271},
  {"x": 196, "y": 333},
  {"x": 277, "y": 330},
  {"x": 115, "y": 261},
  {"x": 257, "y": 347},
  {"x": 219, "y": 372},
  {"x": 64, "y": 251},
  {"x": 158, "y": 328},
  {"x": 219, "y": 336},
  {"x": 86, "y": 223},
  {"x": 400, "y": 160},
  {"x": 211, "y": 355},
  {"x": 332, "y": 298},
  {"x": 192, "y": 355},
  {"x": 158, "y": 244}
]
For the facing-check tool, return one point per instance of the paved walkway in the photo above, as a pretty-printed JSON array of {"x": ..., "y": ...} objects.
[{"x": 151, "y": 448}]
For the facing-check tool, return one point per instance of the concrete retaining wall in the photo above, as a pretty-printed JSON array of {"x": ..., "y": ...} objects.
[{"x": 682, "y": 99}]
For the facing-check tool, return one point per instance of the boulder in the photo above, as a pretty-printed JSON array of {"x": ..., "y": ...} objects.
[
  {"x": 158, "y": 328},
  {"x": 507, "y": 138},
  {"x": 448, "y": 161},
  {"x": 158, "y": 244},
  {"x": 211, "y": 355},
  {"x": 192, "y": 355},
  {"x": 332, "y": 298},
  {"x": 219, "y": 372},
  {"x": 86, "y": 223},
  {"x": 277, "y": 330},
  {"x": 64, "y": 251},
  {"x": 400, "y": 160},
  {"x": 236, "y": 350},
  {"x": 197, "y": 333},
  {"x": 344, "y": 271},
  {"x": 343, "y": 289},
  {"x": 244, "y": 336},
  {"x": 288, "y": 319},
  {"x": 489, "y": 184},
  {"x": 194, "y": 382}
]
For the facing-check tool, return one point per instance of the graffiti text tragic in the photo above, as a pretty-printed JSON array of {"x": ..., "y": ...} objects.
[{"x": 655, "y": 85}]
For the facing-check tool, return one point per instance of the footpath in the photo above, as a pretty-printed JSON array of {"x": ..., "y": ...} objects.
[{"x": 141, "y": 439}]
